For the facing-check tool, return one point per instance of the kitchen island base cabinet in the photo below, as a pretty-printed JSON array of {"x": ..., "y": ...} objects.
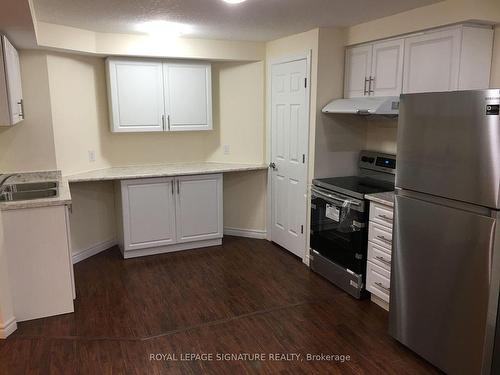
[
  {"x": 38, "y": 250},
  {"x": 159, "y": 215}
]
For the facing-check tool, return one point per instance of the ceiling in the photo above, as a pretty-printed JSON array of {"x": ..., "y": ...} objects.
[
  {"x": 17, "y": 24},
  {"x": 253, "y": 20}
]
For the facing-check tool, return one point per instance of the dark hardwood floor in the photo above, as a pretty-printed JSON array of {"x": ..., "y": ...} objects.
[{"x": 247, "y": 296}]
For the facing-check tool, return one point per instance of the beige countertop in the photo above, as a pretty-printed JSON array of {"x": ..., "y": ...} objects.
[
  {"x": 166, "y": 170},
  {"x": 386, "y": 198},
  {"x": 63, "y": 197}
]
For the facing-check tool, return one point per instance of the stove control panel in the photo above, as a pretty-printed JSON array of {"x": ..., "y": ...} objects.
[{"x": 377, "y": 161}]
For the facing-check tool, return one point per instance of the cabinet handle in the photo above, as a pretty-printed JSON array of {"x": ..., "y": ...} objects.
[
  {"x": 365, "y": 91},
  {"x": 382, "y": 238},
  {"x": 383, "y": 260},
  {"x": 372, "y": 80},
  {"x": 178, "y": 187},
  {"x": 163, "y": 121},
  {"x": 21, "y": 103},
  {"x": 172, "y": 184},
  {"x": 386, "y": 218},
  {"x": 168, "y": 122},
  {"x": 381, "y": 286}
]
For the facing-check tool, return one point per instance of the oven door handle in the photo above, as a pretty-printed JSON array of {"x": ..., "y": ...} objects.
[{"x": 333, "y": 197}]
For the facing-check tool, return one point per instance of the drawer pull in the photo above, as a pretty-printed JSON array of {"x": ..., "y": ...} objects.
[
  {"x": 382, "y": 238},
  {"x": 381, "y": 286},
  {"x": 386, "y": 218},
  {"x": 383, "y": 260}
]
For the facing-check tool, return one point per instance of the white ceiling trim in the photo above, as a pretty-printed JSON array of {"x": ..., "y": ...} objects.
[{"x": 65, "y": 38}]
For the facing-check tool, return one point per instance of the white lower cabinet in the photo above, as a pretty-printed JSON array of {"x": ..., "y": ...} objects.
[
  {"x": 378, "y": 267},
  {"x": 199, "y": 208},
  {"x": 158, "y": 215},
  {"x": 37, "y": 244}
]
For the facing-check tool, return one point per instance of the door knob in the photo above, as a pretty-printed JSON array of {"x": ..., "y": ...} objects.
[{"x": 272, "y": 165}]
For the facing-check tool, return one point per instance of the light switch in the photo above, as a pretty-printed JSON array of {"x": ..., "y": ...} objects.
[{"x": 227, "y": 149}]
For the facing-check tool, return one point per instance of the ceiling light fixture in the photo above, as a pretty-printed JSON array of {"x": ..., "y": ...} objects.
[
  {"x": 234, "y": 1},
  {"x": 164, "y": 28}
]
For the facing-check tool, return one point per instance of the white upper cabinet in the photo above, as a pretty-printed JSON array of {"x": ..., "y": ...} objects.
[
  {"x": 387, "y": 68},
  {"x": 374, "y": 69},
  {"x": 457, "y": 58},
  {"x": 135, "y": 92},
  {"x": 11, "y": 92},
  {"x": 446, "y": 59},
  {"x": 432, "y": 62},
  {"x": 357, "y": 71},
  {"x": 188, "y": 99},
  {"x": 155, "y": 95}
]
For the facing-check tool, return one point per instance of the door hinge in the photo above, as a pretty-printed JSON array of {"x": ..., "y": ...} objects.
[
  {"x": 303, "y": 158},
  {"x": 302, "y": 229},
  {"x": 305, "y": 82}
]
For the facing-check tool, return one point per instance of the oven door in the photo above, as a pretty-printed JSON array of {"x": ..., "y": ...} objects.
[{"x": 339, "y": 229}]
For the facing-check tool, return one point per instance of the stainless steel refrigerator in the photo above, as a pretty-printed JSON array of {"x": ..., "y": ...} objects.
[{"x": 445, "y": 272}]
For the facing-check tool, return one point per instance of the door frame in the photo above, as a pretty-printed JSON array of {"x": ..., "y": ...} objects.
[{"x": 306, "y": 55}]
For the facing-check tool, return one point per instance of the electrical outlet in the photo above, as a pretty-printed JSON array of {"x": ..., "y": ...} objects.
[
  {"x": 91, "y": 156},
  {"x": 227, "y": 149}
]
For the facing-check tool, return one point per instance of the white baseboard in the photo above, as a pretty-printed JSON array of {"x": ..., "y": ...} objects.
[
  {"x": 378, "y": 301},
  {"x": 171, "y": 248},
  {"x": 8, "y": 328},
  {"x": 80, "y": 255},
  {"x": 250, "y": 233}
]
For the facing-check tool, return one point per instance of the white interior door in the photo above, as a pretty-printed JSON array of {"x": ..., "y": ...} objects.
[
  {"x": 387, "y": 68},
  {"x": 289, "y": 144},
  {"x": 358, "y": 67}
]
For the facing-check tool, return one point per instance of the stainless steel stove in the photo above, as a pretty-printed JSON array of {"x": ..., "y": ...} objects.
[{"x": 339, "y": 221}]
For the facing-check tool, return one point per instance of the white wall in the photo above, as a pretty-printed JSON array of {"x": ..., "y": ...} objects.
[
  {"x": 72, "y": 39},
  {"x": 495, "y": 66},
  {"x": 80, "y": 121},
  {"x": 29, "y": 145},
  {"x": 435, "y": 15}
]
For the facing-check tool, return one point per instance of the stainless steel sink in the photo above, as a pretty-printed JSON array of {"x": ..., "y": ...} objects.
[
  {"x": 31, "y": 186},
  {"x": 29, "y": 190}
]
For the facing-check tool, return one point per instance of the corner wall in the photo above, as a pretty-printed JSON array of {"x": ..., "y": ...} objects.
[
  {"x": 80, "y": 120},
  {"x": 29, "y": 145}
]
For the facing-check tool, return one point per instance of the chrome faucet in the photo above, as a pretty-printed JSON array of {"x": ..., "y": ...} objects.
[{"x": 3, "y": 180}]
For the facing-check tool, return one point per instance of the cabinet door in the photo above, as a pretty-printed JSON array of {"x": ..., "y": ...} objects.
[
  {"x": 13, "y": 80},
  {"x": 357, "y": 69},
  {"x": 188, "y": 96},
  {"x": 135, "y": 90},
  {"x": 431, "y": 62},
  {"x": 387, "y": 68},
  {"x": 199, "y": 207},
  {"x": 148, "y": 213}
]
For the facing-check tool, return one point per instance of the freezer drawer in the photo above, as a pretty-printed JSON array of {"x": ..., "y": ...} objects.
[
  {"x": 442, "y": 271},
  {"x": 448, "y": 145}
]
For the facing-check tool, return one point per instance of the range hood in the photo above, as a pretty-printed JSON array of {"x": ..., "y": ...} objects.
[{"x": 383, "y": 105}]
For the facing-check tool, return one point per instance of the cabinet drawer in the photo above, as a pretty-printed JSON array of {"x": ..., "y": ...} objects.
[
  {"x": 381, "y": 214},
  {"x": 380, "y": 235},
  {"x": 378, "y": 281},
  {"x": 379, "y": 256}
]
